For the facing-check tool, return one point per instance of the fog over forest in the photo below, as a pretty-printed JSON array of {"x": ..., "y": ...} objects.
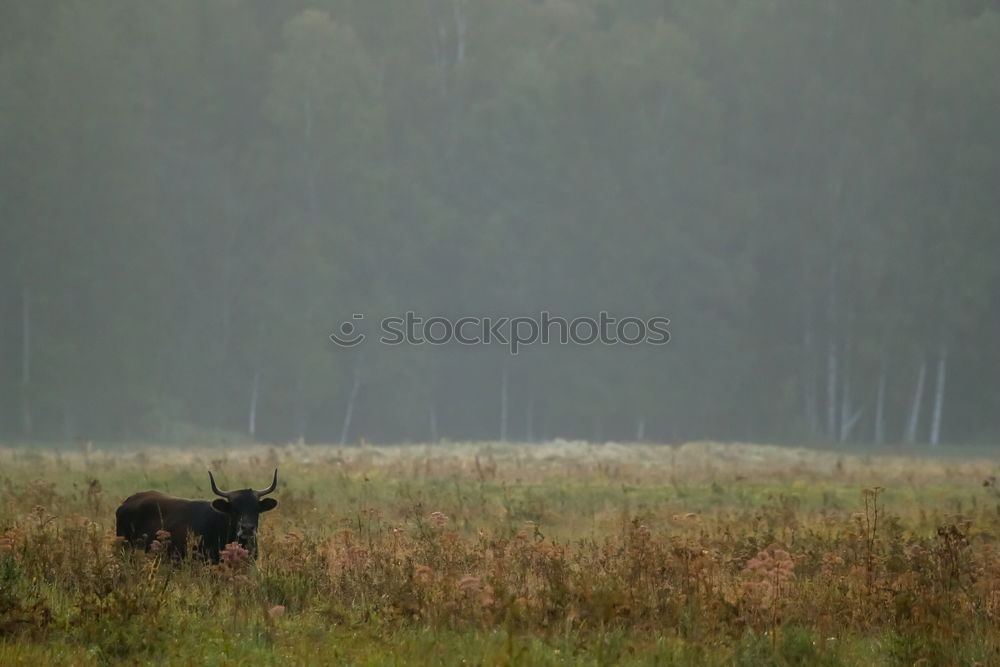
[{"x": 195, "y": 194}]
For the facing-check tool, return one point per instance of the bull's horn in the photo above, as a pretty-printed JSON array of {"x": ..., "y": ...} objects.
[
  {"x": 274, "y": 484},
  {"x": 216, "y": 488}
]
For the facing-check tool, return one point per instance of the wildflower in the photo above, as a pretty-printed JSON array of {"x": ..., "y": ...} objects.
[
  {"x": 642, "y": 533},
  {"x": 774, "y": 564},
  {"x": 832, "y": 563},
  {"x": 234, "y": 556},
  {"x": 474, "y": 588},
  {"x": 766, "y": 573},
  {"x": 469, "y": 584},
  {"x": 423, "y": 574}
]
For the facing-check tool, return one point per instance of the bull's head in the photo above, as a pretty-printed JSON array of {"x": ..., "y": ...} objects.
[{"x": 244, "y": 508}]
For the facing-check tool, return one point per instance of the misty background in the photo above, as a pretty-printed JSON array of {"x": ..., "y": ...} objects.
[{"x": 195, "y": 193}]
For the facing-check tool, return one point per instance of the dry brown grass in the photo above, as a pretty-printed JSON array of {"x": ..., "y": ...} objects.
[{"x": 609, "y": 553}]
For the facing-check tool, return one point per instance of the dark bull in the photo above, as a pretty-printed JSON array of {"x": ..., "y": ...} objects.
[{"x": 233, "y": 517}]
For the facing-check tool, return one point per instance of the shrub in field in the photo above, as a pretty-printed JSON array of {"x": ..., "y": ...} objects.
[{"x": 21, "y": 611}]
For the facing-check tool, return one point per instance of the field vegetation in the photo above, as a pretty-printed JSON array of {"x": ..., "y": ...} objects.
[{"x": 556, "y": 553}]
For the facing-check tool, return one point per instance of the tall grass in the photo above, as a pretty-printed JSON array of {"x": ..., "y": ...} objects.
[{"x": 562, "y": 553}]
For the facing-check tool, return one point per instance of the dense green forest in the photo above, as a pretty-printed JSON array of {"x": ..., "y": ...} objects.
[{"x": 195, "y": 193}]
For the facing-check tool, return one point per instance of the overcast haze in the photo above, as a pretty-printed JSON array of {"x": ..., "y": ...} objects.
[{"x": 194, "y": 194}]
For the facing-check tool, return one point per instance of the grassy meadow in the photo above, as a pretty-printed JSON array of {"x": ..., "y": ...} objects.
[{"x": 478, "y": 553}]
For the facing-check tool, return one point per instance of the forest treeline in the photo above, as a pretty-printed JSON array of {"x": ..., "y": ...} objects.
[{"x": 195, "y": 193}]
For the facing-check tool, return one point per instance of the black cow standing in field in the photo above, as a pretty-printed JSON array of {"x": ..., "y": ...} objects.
[{"x": 233, "y": 517}]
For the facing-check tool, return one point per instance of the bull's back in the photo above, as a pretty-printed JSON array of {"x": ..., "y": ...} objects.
[{"x": 142, "y": 515}]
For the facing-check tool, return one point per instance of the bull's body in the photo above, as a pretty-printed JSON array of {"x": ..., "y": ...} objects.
[
  {"x": 195, "y": 525},
  {"x": 143, "y": 514}
]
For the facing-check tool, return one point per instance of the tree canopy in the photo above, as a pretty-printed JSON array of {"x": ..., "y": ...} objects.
[{"x": 194, "y": 194}]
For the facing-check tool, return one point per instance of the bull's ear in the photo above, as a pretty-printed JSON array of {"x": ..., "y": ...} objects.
[
  {"x": 221, "y": 505},
  {"x": 268, "y": 504}
]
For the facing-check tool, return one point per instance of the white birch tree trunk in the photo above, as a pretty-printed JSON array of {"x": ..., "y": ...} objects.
[
  {"x": 351, "y": 399},
  {"x": 849, "y": 425},
  {"x": 832, "y": 360},
  {"x": 254, "y": 396},
  {"x": 939, "y": 397},
  {"x": 848, "y": 416},
  {"x": 529, "y": 422},
  {"x": 69, "y": 423},
  {"x": 845, "y": 399},
  {"x": 27, "y": 421},
  {"x": 300, "y": 414},
  {"x": 831, "y": 387},
  {"x": 503, "y": 402},
  {"x": 836, "y": 208},
  {"x": 880, "y": 408},
  {"x": 809, "y": 397},
  {"x": 918, "y": 397}
]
